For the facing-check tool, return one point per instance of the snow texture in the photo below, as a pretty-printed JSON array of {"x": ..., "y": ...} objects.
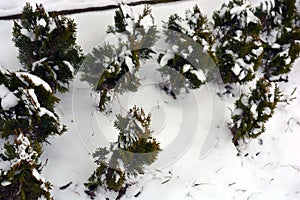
[
  {"x": 28, "y": 34},
  {"x": 186, "y": 68},
  {"x": 25, "y": 151},
  {"x": 5, "y": 183},
  {"x": 38, "y": 63},
  {"x": 147, "y": 22},
  {"x": 34, "y": 98},
  {"x": 44, "y": 111},
  {"x": 168, "y": 56},
  {"x": 129, "y": 19},
  {"x": 267, "y": 169},
  {"x": 199, "y": 74},
  {"x": 245, "y": 9},
  {"x": 36, "y": 80},
  {"x": 69, "y": 65},
  {"x": 8, "y": 99}
]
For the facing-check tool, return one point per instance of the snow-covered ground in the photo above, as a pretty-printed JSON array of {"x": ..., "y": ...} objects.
[{"x": 187, "y": 128}]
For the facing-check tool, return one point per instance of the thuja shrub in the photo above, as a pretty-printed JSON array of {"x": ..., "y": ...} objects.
[
  {"x": 239, "y": 48},
  {"x": 112, "y": 68},
  {"x": 253, "y": 110},
  {"x": 27, "y": 103},
  {"x": 189, "y": 59},
  {"x": 127, "y": 157},
  {"x": 20, "y": 177},
  {"x": 281, "y": 37},
  {"x": 47, "y": 46}
]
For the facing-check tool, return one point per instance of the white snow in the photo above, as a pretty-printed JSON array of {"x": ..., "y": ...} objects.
[
  {"x": 129, "y": 18},
  {"x": 25, "y": 151},
  {"x": 129, "y": 63},
  {"x": 241, "y": 68},
  {"x": 34, "y": 97},
  {"x": 267, "y": 111},
  {"x": 28, "y": 34},
  {"x": 127, "y": 11},
  {"x": 38, "y": 63},
  {"x": 230, "y": 52},
  {"x": 121, "y": 165},
  {"x": 186, "y": 68},
  {"x": 44, "y": 111},
  {"x": 5, "y": 183},
  {"x": 253, "y": 110},
  {"x": 3, "y": 91},
  {"x": 117, "y": 177},
  {"x": 269, "y": 171},
  {"x": 276, "y": 46},
  {"x": 175, "y": 48},
  {"x": 238, "y": 9},
  {"x": 237, "y": 69},
  {"x": 42, "y": 22},
  {"x": 147, "y": 22},
  {"x": 248, "y": 58},
  {"x": 56, "y": 67},
  {"x": 8, "y": 99},
  {"x": 258, "y": 51},
  {"x": 284, "y": 53},
  {"x": 243, "y": 74},
  {"x": 190, "y": 48},
  {"x": 14, "y": 6},
  {"x": 244, "y": 65},
  {"x": 36, "y": 80},
  {"x": 250, "y": 17},
  {"x": 237, "y": 112},
  {"x": 111, "y": 69},
  {"x": 68, "y": 64},
  {"x": 37, "y": 175},
  {"x": 288, "y": 60},
  {"x": 268, "y": 5},
  {"x": 199, "y": 73},
  {"x": 239, "y": 34},
  {"x": 288, "y": 29},
  {"x": 168, "y": 56}
]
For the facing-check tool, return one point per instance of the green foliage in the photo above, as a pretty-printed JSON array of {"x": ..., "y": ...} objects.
[
  {"x": 105, "y": 176},
  {"x": 194, "y": 24},
  {"x": 254, "y": 110},
  {"x": 112, "y": 68},
  {"x": 47, "y": 46},
  {"x": 239, "y": 49},
  {"x": 23, "y": 185},
  {"x": 22, "y": 181},
  {"x": 127, "y": 157},
  {"x": 33, "y": 113},
  {"x": 281, "y": 36},
  {"x": 191, "y": 46}
]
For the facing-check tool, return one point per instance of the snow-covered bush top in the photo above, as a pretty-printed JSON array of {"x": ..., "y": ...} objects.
[
  {"x": 112, "y": 67},
  {"x": 186, "y": 64},
  {"x": 23, "y": 179},
  {"x": 253, "y": 110},
  {"x": 47, "y": 46},
  {"x": 238, "y": 46},
  {"x": 27, "y": 103},
  {"x": 24, "y": 150},
  {"x": 128, "y": 156},
  {"x": 280, "y": 35},
  {"x": 132, "y": 127}
]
